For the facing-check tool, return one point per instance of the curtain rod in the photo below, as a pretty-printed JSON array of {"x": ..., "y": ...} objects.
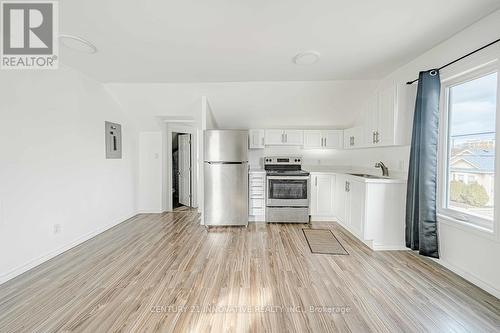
[{"x": 462, "y": 57}]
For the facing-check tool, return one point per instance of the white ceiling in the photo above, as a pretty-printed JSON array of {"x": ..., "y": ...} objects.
[{"x": 255, "y": 40}]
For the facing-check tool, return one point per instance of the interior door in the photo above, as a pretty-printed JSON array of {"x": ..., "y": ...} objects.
[{"x": 184, "y": 173}]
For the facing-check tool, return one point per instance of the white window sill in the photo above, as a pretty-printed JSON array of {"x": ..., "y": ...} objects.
[{"x": 469, "y": 227}]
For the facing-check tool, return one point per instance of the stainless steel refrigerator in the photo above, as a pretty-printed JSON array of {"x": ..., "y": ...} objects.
[{"x": 226, "y": 178}]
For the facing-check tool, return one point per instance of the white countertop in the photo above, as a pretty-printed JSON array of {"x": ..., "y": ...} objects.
[{"x": 346, "y": 172}]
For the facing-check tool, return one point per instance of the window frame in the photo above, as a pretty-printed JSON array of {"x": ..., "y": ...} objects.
[{"x": 455, "y": 217}]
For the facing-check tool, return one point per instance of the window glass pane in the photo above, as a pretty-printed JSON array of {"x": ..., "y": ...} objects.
[{"x": 471, "y": 163}]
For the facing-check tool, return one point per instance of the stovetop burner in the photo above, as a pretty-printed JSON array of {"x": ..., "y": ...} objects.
[{"x": 284, "y": 166}]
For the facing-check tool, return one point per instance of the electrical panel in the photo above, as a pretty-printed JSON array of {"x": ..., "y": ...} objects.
[{"x": 113, "y": 140}]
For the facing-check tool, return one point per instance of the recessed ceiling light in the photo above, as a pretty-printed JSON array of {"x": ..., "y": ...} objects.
[
  {"x": 307, "y": 58},
  {"x": 77, "y": 43}
]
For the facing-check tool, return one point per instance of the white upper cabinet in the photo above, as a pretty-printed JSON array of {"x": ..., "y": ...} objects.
[
  {"x": 256, "y": 139},
  {"x": 274, "y": 137},
  {"x": 294, "y": 137},
  {"x": 387, "y": 113},
  {"x": 313, "y": 139},
  {"x": 284, "y": 137},
  {"x": 388, "y": 116},
  {"x": 407, "y": 95},
  {"x": 333, "y": 139},
  {"x": 370, "y": 121},
  {"x": 354, "y": 137},
  {"x": 330, "y": 139},
  {"x": 380, "y": 113}
]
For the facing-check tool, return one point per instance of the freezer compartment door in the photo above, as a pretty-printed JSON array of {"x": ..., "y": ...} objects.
[
  {"x": 226, "y": 146},
  {"x": 226, "y": 194}
]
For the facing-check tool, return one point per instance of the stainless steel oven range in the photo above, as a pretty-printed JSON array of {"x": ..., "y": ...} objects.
[{"x": 288, "y": 188}]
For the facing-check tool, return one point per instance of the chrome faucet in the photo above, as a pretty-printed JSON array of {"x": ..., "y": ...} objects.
[{"x": 385, "y": 170}]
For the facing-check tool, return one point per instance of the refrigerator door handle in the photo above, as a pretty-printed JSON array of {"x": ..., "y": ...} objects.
[{"x": 211, "y": 162}]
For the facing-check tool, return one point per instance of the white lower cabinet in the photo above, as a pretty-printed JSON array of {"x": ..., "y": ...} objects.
[
  {"x": 322, "y": 195},
  {"x": 374, "y": 212},
  {"x": 355, "y": 201},
  {"x": 257, "y": 195},
  {"x": 348, "y": 204},
  {"x": 339, "y": 204}
]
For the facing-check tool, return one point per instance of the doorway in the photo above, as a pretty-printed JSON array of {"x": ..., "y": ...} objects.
[{"x": 181, "y": 170}]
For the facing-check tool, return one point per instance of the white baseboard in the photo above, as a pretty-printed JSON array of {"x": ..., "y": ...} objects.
[
  {"x": 51, "y": 254},
  {"x": 315, "y": 218},
  {"x": 153, "y": 211},
  {"x": 469, "y": 277},
  {"x": 376, "y": 247}
]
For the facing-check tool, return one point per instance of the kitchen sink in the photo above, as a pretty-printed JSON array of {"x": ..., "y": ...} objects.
[{"x": 364, "y": 175}]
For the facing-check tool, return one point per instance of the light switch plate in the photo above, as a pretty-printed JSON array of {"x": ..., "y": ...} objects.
[{"x": 113, "y": 134}]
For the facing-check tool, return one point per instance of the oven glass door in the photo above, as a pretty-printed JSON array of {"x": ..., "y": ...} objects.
[{"x": 287, "y": 192}]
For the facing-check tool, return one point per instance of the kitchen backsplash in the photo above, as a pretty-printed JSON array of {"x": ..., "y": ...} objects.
[{"x": 396, "y": 158}]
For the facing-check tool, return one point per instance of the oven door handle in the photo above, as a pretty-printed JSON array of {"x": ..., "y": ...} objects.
[{"x": 289, "y": 177}]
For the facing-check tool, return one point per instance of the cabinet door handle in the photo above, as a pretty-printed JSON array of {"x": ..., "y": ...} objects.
[
  {"x": 282, "y": 137},
  {"x": 262, "y": 140},
  {"x": 373, "y": 136},
  {"x": 378, "y": 137},
  {"x": 325, "y": 141},
  {"x": 286, "y": 137},
  {"x": 316, "y": 181}
]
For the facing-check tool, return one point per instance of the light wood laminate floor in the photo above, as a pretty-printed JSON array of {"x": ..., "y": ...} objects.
[{"x": 165, "y": 272}]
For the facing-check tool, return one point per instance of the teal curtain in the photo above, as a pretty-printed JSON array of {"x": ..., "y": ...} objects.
[{"x": 421, "y": 221}]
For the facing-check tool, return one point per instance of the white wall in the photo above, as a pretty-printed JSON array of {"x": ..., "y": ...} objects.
[
  {"x": 468, "y": 253},
  {"x": 53, "y": 168},
  {"x": 249, "y": 104},
  {"x": 149, "y": 198}
]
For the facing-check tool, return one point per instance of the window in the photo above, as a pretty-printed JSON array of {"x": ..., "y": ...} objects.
[
  {"x": 471, "y": 179},
  {"x": 469, "y": 169}
]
